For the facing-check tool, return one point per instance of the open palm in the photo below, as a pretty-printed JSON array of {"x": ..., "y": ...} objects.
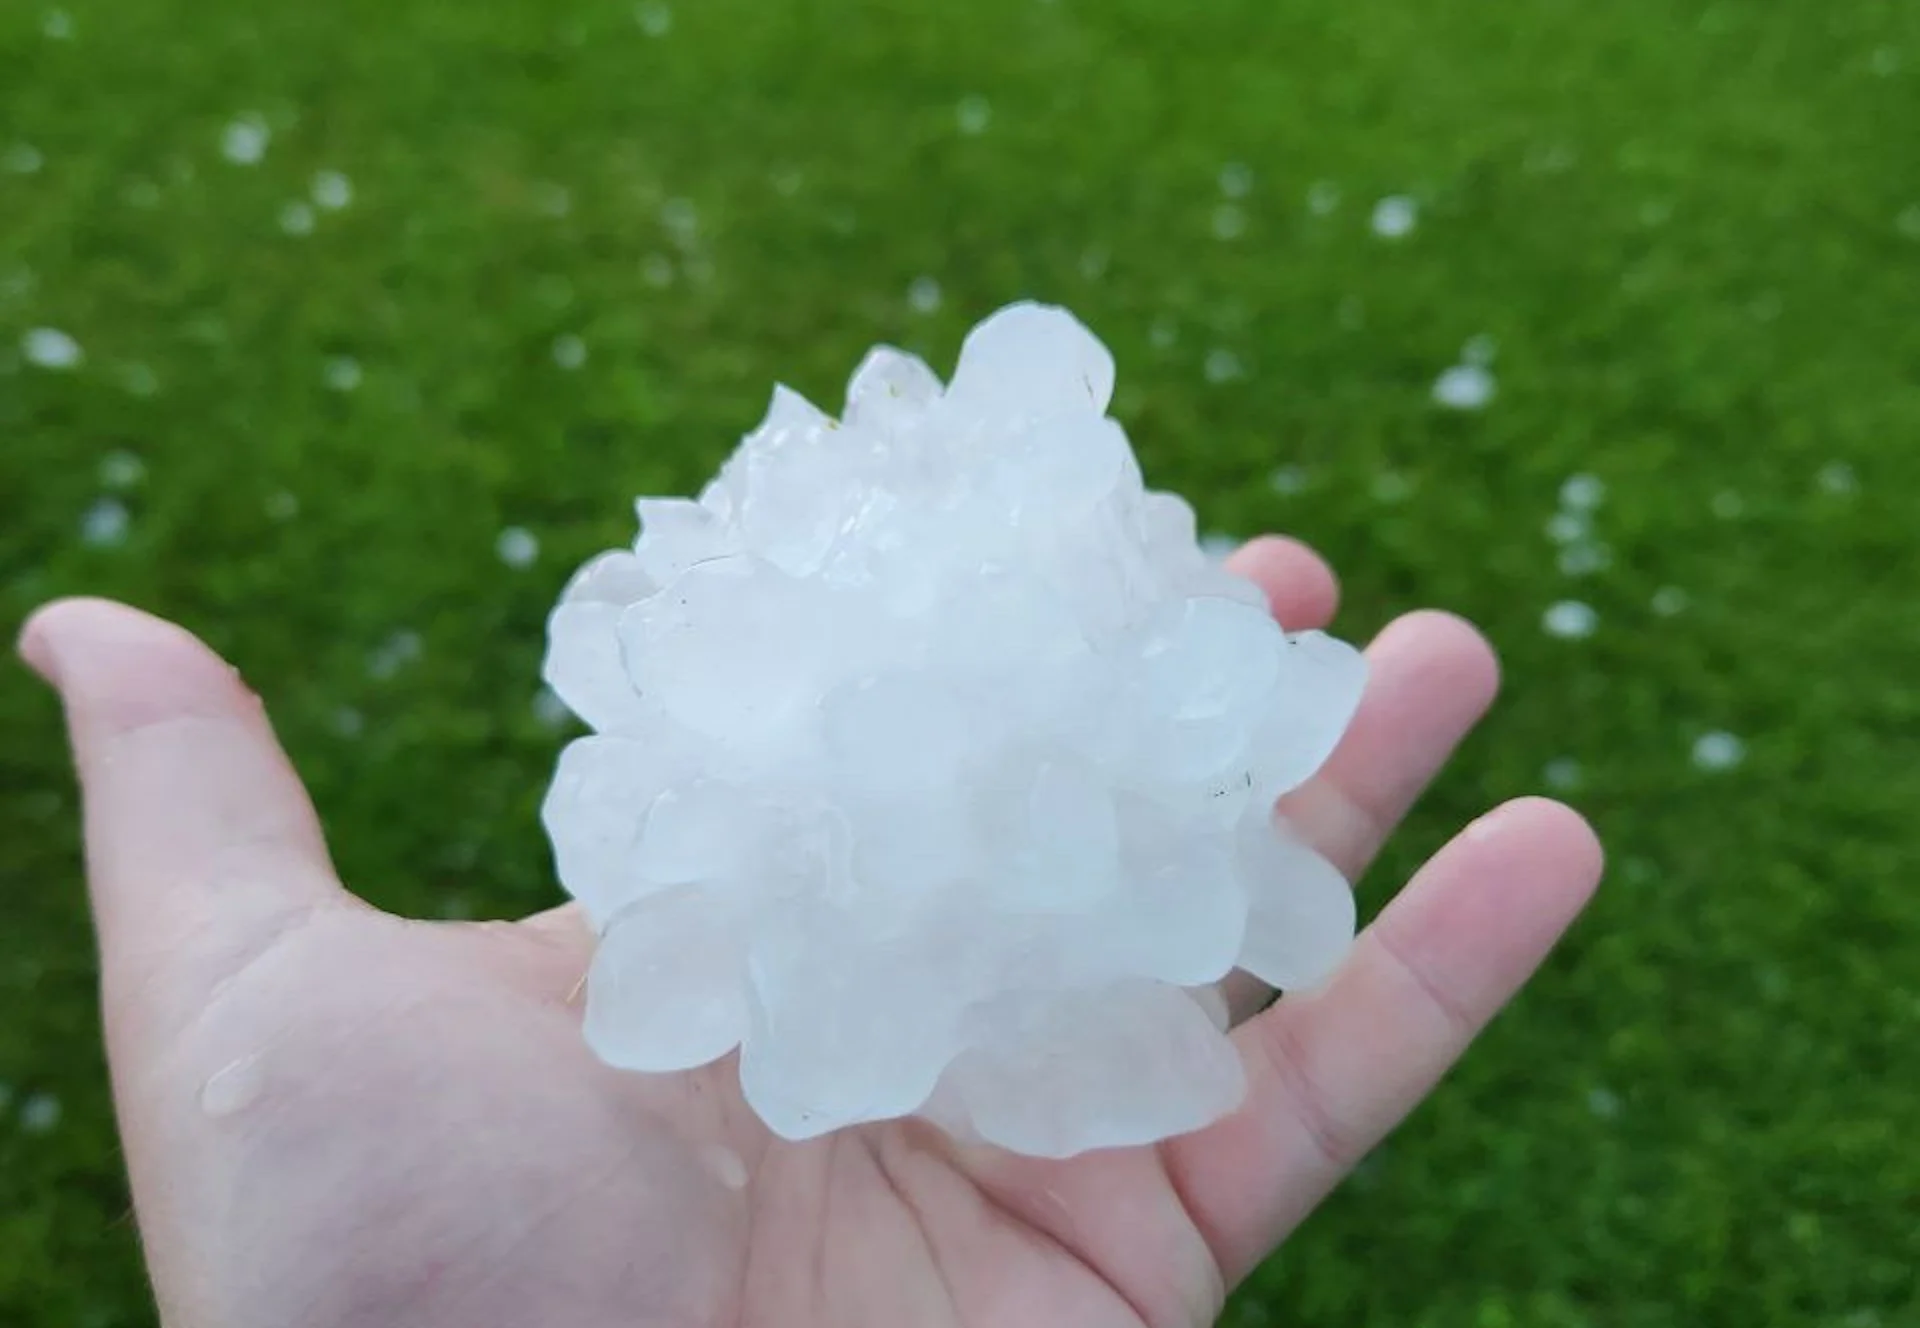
[{"x": 334, "y": 1116}]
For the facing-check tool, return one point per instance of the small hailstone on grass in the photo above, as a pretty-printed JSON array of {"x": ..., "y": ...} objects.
[
  {"x": 973, "y": 115},
  {"x": 282, "y": 505},
  {"x": 57, "y": 25},
  {"x": 1563, "y": 774},
  {"x": 296, "y": 218},
  {"x": 22, "y": 159},
  {"x": 1669, "y": 601},
  {"x": 50, "y": 348},
  {"x": 1570, "y": 620},
  {"x": 1395, "y": 216},
  {"x": 923, "y": 295},
  {"x": 1464, "y": 387},
  {"x": 1236, "y": 179},
  {"x": 569, "y": 351},
  {"x": 332, "y": 190},
  {"x": 1223, "y": 366},
  {"x": 1288, "y": 479},
  {"x": 933, "y": 766},
  {"x": 1582, "y": 493},
  {"x": 1229, "y": 222},
  {"x": 122, "y": 470},
  {"x": 1584, "y": 558},
  {"x": 244, "y": 141},
  {"x": 1480, "y": 349},
  {"x": 1603, "y": 1103},
  {"x": 105, "y": 524},
  {"x": 39, "y": 1113},
  {"x": 517, "y": 546},
  {"x": 1718, "y": 751},
  {"x": 1838, "y": 477},
  {"x": 1566, "y": 527},
  {"x": 393, "y": 654},
  {"x": 1909, "y": 222},
  {"x": 681, "y": 221},
  {"x": 342, "y": 373},
  {"x": 1390, "y": 486},
  {"x": 655, "y": 19}
]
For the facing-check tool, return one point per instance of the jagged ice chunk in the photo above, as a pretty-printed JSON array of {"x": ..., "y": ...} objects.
[{"x": 933, "y": 766}]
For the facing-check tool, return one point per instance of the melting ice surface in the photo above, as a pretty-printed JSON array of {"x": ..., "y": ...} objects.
[{"x": 932, "y": 766}]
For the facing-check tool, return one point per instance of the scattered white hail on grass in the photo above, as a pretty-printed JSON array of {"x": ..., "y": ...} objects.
[
  {"x": 122, "y": 470},
  {"x": 1464, "y": 387},
  {"x": 1839, "y": 477},
  {"x": 655, "y": 18},
  {"x": 1323, "y": 196},
  {"x": 331, "y": 190},
  {"x": 973, "y": 114},
  {"x": 1669, "y": 601},
  {"x": 569, "y": 351},
  {"x": 282, "y": 505},
  {"x": 1570, "y": 620},
  {"x": 1604, "y": 1103},
  {"x": 1563, "y": 774},
  {"x": 1909, "y": 222},
  {"x": 1395, "y": 216},
  {"x": 296, "y": 218},
  {"x": 22, "y": 159},
  {"x": 1480, "y": 349},
  {"x": 342, "y": 373},
  {"x": 923, "y": 295},
  {"x": 57, "y": 25},
  {"x": 1236, "y": 179},
  {"x": 104, "y": 525},
  {"x": 244, "y": 141},
  {"x": 1718, "y": 751},
  {"x": 517, "y": 546},
  {"x": 50, "y": 348},
  {"x": 933, "y": 766},
  {"x": 1728, "y": 505},
  {"x": 1287, "y": 479},
  {"x": 1229, "y": 222},
  {"x": 39, "y": 1113},
  {"x": 1223, "y": 366},
  {"x": 1582, "y": 493}
]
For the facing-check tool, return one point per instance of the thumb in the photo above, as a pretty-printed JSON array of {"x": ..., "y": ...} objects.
[{"x": 201, "y": 843}]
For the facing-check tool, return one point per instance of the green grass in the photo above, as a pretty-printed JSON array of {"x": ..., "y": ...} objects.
[{"x": 1693, "y": 231}]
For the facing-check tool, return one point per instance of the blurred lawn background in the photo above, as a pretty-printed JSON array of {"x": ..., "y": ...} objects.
[{"x": 308, "y": 311}]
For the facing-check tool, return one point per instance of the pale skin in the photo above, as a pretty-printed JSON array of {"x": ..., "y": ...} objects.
[{"x": 333, "y": 1116}]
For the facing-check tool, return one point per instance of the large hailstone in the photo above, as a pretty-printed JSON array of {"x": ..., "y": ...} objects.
[{"x": 933, "y": 766}]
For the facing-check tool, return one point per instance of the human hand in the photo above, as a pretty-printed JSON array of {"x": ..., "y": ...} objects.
[{"x": 333, "y": 1116}]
